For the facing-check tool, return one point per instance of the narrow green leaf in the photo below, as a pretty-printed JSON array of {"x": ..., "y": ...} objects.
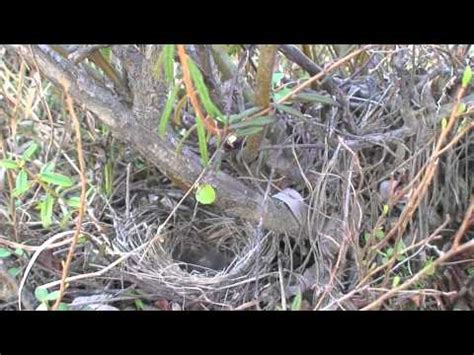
[
  {"x": 385, "y": 209},
  {"x": 254, "y": 122},
  {"x": 290, "y": 110},
  {"x": 202, "y": 141},
  {"x": 157, "y": 66},
  {"x": 41, "y": 294},
  {"x": 108, "y": 178},
  {"x": 56, "y": 179},
  {"x": 205, "y": 194},
  {"x": 74, "y": 202},
  {"x": 466, "y": 76},
  {"x": 14, "y": 271},
  {"x": 203, "y": 92},
  {"x": 9, "y": 164},
  {"x": 248, "y": 131},
  {"x": 4, "y": 253},
  {"x": 296, "y": 304},
  {"x": 21, "y": 183},
  {"x": 168, "y": 61},
  {"x": 28, "y": 153},
  {"x": 249, "y": 112},
  {"x": 313, "y": 97},
  {"x": 46, "y": 211},
  {"x": 396, "y": 281},
  {"x": 165, "y": 117}
]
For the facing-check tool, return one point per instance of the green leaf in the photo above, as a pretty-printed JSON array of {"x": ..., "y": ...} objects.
[
  {"x": 367, "y": 237},
  {"x": 254, "y": 122},
  {"x": 444, "y": 123},
  {"x": 48, "y": 167},
  {"x": 202, "y": 141},
  {"x": 249, "y": 112},
  {"x": 42, "y": 307},
  {"x": 277, "y": 96},
  {"x": 63, "y": 307},
  {"x": 429, "y": 267},
  {"x": 9, "y": 164},
  {"x": 21, "y": 183},
  {"x": 56, "y": 179},
  {"x": 108, "y": 178},
  {"x": 276, "y": 78},
  {"x": 168, "y": 58},
  {"x": 379, "y": 234},
  {"x": 81, "y": 239},
  {"x": 139, "y": 304},
  {"x": 74, "y": 202},
  {"x": 296, "y": 304},
  {"x": 165, "y": 117},
  {"x": 65, "y": 219},
  {"x": 389, "y": 252},
  {"x": 205, "y": 194},
  {"x": 396, "y": 281},
  {"x": 385, "y": 209},
  {"x": 46, "y": 211},
  {"x": 248, "y": 131},
  {"x": 41, "y": 294},
  {"x": 400, "y": 247},
  {"x": 28, "y": 153},
  {"x": 290, "y": 110},
  {"x": 14, "y": 271},
  {"x": 106, "y": 52},
  {"x": 19, "y": 252},
  {"x": 203, "y": 92},
  {"x": 4, "y": 253},
  {"x": 53, "y": 296},
  {"x": 466, "y": 76},
  {"x": 313, "y": 97},
  {"x": 462, "y": 108}
]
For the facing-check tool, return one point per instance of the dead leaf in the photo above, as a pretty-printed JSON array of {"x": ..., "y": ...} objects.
[{"x": 294, "y": 201}]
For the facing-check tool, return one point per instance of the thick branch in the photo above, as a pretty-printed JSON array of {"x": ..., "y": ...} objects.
[{"x": 233, "y": 196}]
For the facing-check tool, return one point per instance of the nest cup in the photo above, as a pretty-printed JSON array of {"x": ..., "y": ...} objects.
[{"x": 198, "y": 257}]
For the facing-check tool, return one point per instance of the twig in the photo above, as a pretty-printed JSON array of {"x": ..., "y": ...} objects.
[
  {"x": 44, "y": 246},
  {"x": 311, "y": 80},
  {"x": 84, "y": 51},
  {"x": 82, "y": 167},
  {"x": 454, "y": 250},
  {"x": 183, "y": 57},
  {"x": 419, "y": 192},
  {"x": 467, "y": 222}
]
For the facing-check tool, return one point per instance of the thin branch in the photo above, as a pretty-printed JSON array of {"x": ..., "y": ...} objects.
[{"x": 80, "y": 217}]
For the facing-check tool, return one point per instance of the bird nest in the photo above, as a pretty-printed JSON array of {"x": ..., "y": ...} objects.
[{"x": 197, "y": 256}]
